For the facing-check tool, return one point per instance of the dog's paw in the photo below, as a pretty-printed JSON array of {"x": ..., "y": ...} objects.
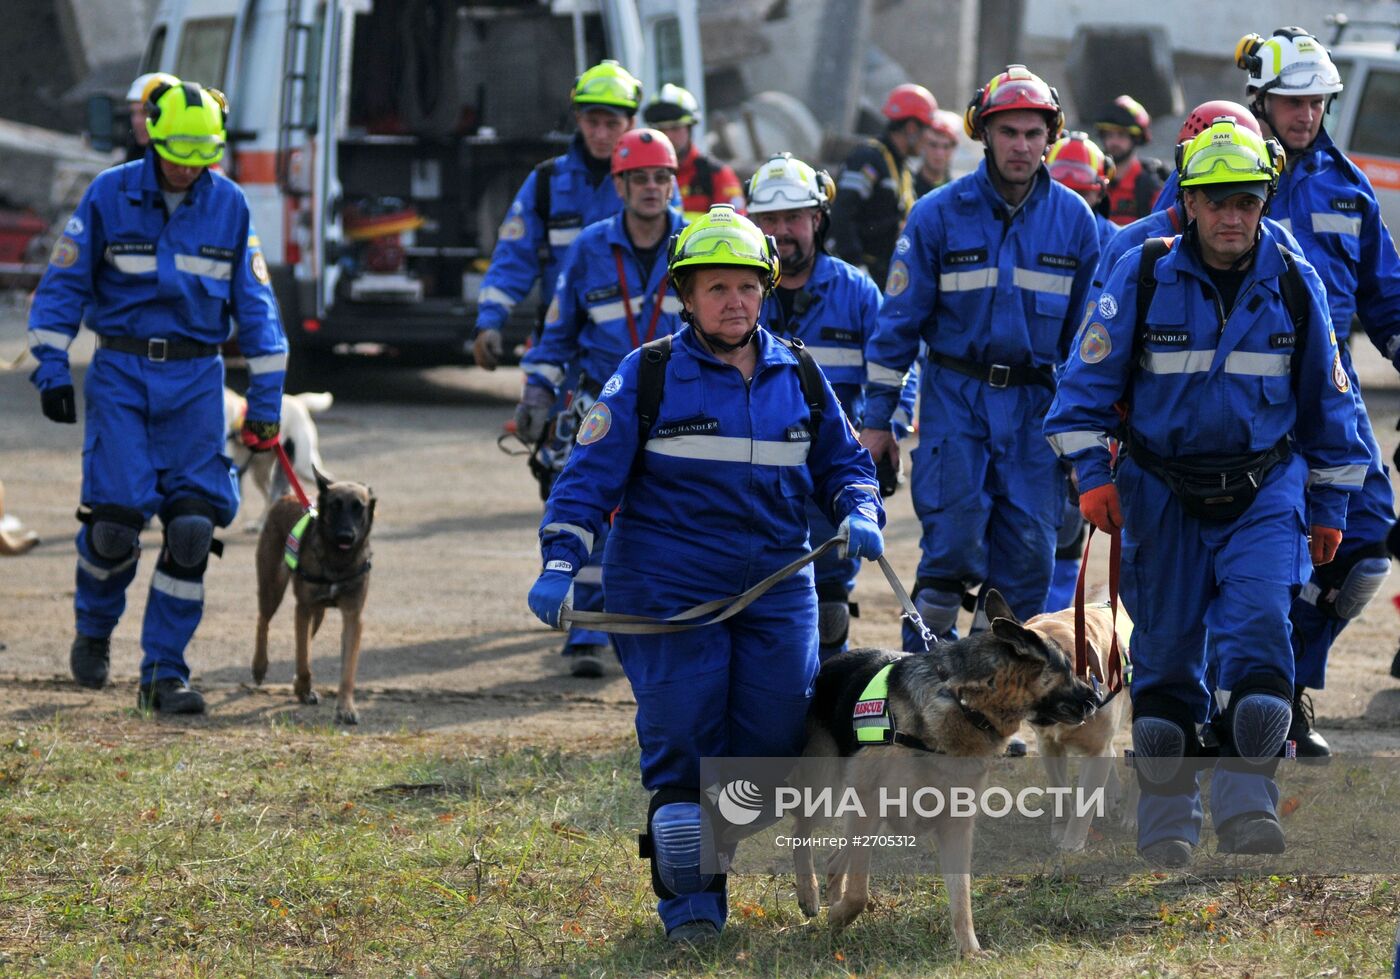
[
  {"x": 808, "y": 898},
  {"x": 347, "y": 715},
  {"x": 843, "y": 912},
  {"x": 258, "y": 674},
  {"x": 308, "y": 695}
]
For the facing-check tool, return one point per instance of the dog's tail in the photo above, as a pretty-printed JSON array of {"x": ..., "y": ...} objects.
[{"x": 317, "y": 401}]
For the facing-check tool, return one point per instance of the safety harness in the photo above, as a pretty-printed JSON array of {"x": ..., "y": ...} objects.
[
  {"x": 874, "y": 722},
  {"x": 291, "y": 556}
]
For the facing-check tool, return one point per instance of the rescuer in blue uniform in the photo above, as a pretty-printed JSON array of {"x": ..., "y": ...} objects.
[
  {"x": 832, "y": 307},
  {"x": 612, "y": 298},
  {"x": 992, "y": 272},
  {"x": 710, "y": 495},
  {"x": 1239, "y": 431},
  {"x": 543, "y": 222},
  {"x": 159, "y": 256}
]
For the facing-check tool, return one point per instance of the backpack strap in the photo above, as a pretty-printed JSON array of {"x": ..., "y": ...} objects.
[
  {"x": 1294, "y": 290},
  {"x": 704, "y": 183},
  {"x": 544, "y": 177},
  {"x": 809, "y": 376},
  {"x": 651, "y": 384},
  {"x": 1152, "y": 250}
]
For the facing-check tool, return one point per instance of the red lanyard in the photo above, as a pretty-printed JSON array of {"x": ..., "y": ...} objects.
[{"x": 627, "y": 301}]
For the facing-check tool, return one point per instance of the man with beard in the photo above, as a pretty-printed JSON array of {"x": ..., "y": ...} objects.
[
  {"x": 611, "y": 299},
  {"x": 992, "y": 273},
  {"x": 830, "y": 306},
  {"x": 1122, "y": 127},
  {"x": 1331, "y": 208}
]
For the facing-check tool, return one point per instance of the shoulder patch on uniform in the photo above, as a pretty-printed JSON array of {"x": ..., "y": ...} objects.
[
  {"x": 1339, "y": 375},
  {"x": 595, "y": 424},
  {"x": 1096, "y": 344},
  {"x": 74, "y": 226},
  {"x": 512, "y": 229},
  {"x": 65, "y": 253},
  {"x": 1108, "y": 305},
  {"x": 902, "y": 245},
  {"x": 258, "y": 265},
  {"x": 613, "y": 386},
  {"x": 898, "y": 279}
]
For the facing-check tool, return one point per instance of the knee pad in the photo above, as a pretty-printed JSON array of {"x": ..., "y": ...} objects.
[
  {"x": 678, "y": 842},
  {"x": 189, "y": 537},
  {"x": 1347, "y": 585},
  {"x": 1070, "y": 538},
  {"x": 113, "y": 531},
  {"x": 1254, "y": 727},
  {"x": 938, "y": 601},
  {"x": 1164, "y": 737}
]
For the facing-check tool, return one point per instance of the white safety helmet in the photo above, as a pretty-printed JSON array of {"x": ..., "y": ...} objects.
[
  {"x": 137, "y": 91},
  {"x": 785, "y": 183},
  {"x": 1291, "y": 62}
]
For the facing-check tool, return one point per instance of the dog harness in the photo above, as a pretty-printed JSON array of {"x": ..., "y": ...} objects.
[
  {"x": 874, "y": 722},
  {"x": 291, "y": 551}
]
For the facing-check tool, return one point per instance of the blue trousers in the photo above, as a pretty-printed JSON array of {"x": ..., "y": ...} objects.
[
  {"x": 1182, "y": 578},
  {"x": 1370, "y": 515},
  {"x": 154, "y": 433},
  {"x": 737, "y": 689}
]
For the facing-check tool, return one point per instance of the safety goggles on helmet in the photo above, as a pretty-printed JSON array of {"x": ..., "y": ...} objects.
[
  {"x": 785, "y": 184},
  {"x": 1307, "y": 78},
  {"x": 197, "y": 150},
  {"x": 1076, "y": 175},
  {"x": 1226, "y": 154},
  {"x": 1290, "y": 62},
  {"x": 1015, "y": 88},
  {"x": 607, "y": 85}
]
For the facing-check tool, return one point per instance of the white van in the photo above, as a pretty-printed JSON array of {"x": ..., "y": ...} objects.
[
  {"x": 422, "y": 115},
  {"x": 1365, "y": 121}
]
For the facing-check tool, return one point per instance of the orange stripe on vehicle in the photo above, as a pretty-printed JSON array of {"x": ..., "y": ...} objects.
[
  {"x": 1383, "y": 173},
  {"x": 257, "y": 166}
]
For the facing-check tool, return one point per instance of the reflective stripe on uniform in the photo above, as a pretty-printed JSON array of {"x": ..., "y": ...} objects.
[
  {"x": 213, "y": 268},
  {"x": 1324, "y": 222},
  {"x": 1067, "y": 442},
  {"x": 879, "y": 374},
  {"x": 189, "y": 591},
  {"x": 1286, "y": 224},
  {"x": 1353, "y": 475},
  {"x": 1199, "y": 361},
  {"x": 50, "y": 338},
  {"x": 854, "y": 180},
  {"x": 267, "y": 363},
  {"x": 967, "y": 281},
  {"x": 1058, "y": 285},
  {"x": 722, "y": 448},
  {"x": 101, "y": 573},
  {"x": 490, "y": 294},
  {"x": 133, "y": 264},
  {"x": 607, "y": 312},
  {"x": 568, "y": 528},
  {"x": 837, "y": 356},
  {"x": 563, "y": 237}
]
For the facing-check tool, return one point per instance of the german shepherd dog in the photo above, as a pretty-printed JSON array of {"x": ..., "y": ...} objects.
[
  {"x": 1093, "y": 739},
  {"x": 332, "y": 570},
  {"x": 963, "y": 699}
]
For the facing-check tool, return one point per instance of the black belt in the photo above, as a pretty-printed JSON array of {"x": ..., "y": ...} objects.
[
  {"x": 159, "y": 349},
  {"x": 1209, "y": 468},
  {"x": 997, "y": 375}
]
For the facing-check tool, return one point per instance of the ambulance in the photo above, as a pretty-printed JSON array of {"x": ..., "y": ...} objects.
[
  {"x": 1363, "y": 121},
  {"x": 380, "y": 143}
]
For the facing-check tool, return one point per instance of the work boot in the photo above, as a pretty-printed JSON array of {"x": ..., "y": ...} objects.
[
  {"x": 88, "y": 659},
  {"x": 693, "y": 933},
  {"x": 1250, "y": 833},
  {"x": 1167, "y": 854},
  {"x": 1312, "y": 747},
  {"x": 586, "y": 660},
  {"x": 170, "y": 696}
]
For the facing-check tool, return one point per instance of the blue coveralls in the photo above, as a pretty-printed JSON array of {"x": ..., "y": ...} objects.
[
  {"x": 586, "y": 335},
  {"x": 154, "y": 430},
  {"x": 1069, "y": 542},
  {"x": 838, "y": 316},
  {"x": 713, "y": 500},
  {"x": 1330, "y": 207},
  {"x": 1195, "y": 386},
  {"x": 995, "y": 289}
]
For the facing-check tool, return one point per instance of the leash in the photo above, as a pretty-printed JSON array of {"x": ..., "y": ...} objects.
[
  {"x": 718, "y": 610},
  {"x": 291, "y": 474},
  {"x": 1086, "y": 660}
]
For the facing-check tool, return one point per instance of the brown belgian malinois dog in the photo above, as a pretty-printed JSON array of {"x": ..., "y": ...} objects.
[{"x": 328, "y": 559}]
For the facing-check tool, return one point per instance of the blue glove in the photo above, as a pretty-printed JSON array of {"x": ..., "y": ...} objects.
[
  {"x": 552, "y": 592},
  {"x": 864, "y": 539}
]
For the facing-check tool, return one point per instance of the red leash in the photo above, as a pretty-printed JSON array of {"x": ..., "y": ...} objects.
[
  {"x": 296, "y": 483},
  {"x": 1086, "y": 661}
]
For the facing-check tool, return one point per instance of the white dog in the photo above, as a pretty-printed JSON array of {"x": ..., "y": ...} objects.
[{"x": 298, "y": 436}]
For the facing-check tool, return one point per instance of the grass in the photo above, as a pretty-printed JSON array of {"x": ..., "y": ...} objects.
[{"x": 148, "y": 849}]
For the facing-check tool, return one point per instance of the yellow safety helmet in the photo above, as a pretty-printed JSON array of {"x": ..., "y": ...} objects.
[
  {"x": 724, "y": 238},
  {"x": 1228, "y": 158},
  {"x": 607, "y": 85},
  {"x": 186, "y": 124}
]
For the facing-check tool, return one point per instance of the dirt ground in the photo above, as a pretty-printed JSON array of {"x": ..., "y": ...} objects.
[{"x": 449, "y": 643}]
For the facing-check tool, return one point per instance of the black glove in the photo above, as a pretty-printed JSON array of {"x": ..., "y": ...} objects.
[
  {"x": 890, "y": 479},
  {"x": 59, "y": 404},
  {"x": 259, "y": 436}
]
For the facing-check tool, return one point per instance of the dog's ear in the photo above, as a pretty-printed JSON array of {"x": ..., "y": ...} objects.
[
  {"x": 1024, "y": 643},
  {"x": 322, "y": 483},
  {"x": 372, "y": 501},
  {"x": 996, "y": 607}
]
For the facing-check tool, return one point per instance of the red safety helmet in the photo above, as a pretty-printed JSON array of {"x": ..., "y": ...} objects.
[
  {"x": 910, "y": 101},
  {"x": 1207, "y": 112},
  {"x": 640, "y": 148},
  {"x": 1077, "y": 162},
  {"x": 1015, "y": 88},
  {"x": 1127, "y": 114},
  {"x": 949, "y": 124}
]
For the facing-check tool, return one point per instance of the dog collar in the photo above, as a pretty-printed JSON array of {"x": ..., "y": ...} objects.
[
  {"x": 874, "y": 722},
  {"x": 974, "y": 717}
]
